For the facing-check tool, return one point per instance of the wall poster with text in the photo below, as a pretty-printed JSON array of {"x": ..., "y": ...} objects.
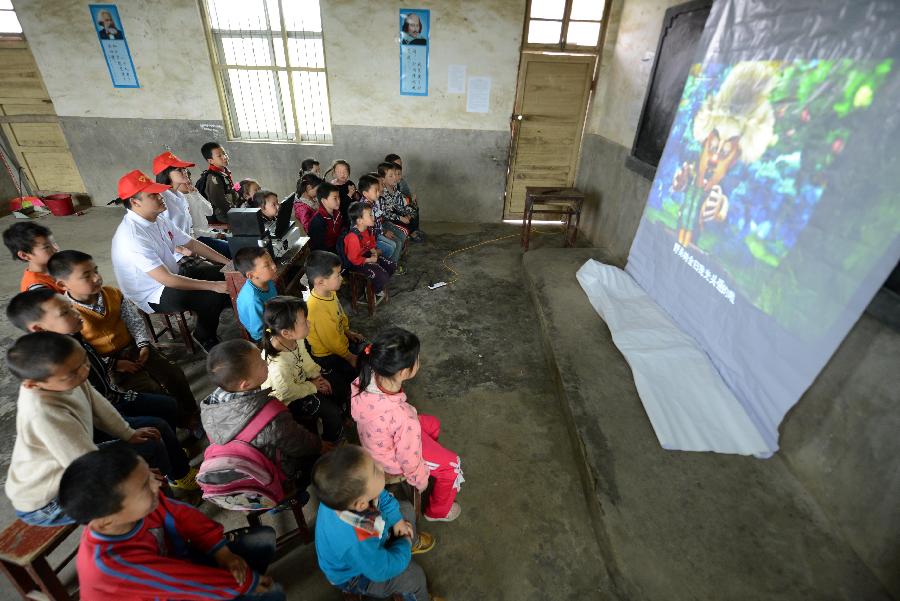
[
  {"x": 415, "y": 32},
  {"x": 111, "y": 34}
]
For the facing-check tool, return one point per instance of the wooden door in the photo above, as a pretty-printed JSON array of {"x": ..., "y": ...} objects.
[
  {"x": 548, "y": 123},
  {"x": 30, "y": 124}
]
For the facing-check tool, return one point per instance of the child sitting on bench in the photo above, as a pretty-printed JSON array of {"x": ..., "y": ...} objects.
[
  {"x": 255, "y": 264},
  {"x": 32, "y": 243}
]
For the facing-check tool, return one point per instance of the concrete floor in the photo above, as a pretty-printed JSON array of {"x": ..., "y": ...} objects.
[{"x": 525, "y": 531}]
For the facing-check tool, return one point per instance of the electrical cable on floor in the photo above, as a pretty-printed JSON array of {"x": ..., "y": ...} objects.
[{"x": 456, "y": 274}]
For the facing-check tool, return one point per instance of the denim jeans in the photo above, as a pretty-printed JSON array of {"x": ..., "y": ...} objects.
[
  {"x": 164, "y": 454},
  {"x": 387, "y": 247},
  {"x": 50, "y": 514},
  {"x": 220, "y": 246},
  {"x": 409, "y": 584}
]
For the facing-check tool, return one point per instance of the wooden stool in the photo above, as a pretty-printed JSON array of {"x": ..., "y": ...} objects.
[
  {"x": 552, "y": 201},
  {"x": 23, "y": 557},
  {"x": 183, "y": 329},
  {"x": 254, "y": 518},
  {"x": 360, "y": 283},
  {"x": 396, "y": 482}
]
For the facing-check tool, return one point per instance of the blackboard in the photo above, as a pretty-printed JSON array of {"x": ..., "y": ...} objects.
[{"x": 675, "y": 53}]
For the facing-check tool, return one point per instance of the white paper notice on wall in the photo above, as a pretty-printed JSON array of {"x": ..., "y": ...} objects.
[
  {"x": 479, "y": 98},
  {"x": 456, "y": 79}
]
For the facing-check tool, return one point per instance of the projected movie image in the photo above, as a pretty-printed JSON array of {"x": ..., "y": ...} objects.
[{"x": 750, "y": 156}]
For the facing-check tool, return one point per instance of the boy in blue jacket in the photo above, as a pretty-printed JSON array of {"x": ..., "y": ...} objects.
[{"x": 364, "y": 536}]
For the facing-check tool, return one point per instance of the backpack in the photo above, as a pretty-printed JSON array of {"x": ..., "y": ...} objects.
[
  {"x": 238, "y": 476},
  {"x": 201, "y": 183},
  {"x": 339, "y": 247}
]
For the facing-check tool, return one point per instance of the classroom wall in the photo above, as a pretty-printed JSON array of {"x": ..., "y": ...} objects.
[
  {"x": 455, "y": 161},
  {"x": 840, "y": 439}
]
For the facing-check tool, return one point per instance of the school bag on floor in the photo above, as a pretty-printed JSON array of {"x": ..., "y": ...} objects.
[{"x": 238, "y": 476}]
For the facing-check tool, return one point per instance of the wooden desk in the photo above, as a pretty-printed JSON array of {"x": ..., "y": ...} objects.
[{"x": 287, "y": 276}]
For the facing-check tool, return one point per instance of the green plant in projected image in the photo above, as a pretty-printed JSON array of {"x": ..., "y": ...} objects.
[{"x": 756, "y": 169}]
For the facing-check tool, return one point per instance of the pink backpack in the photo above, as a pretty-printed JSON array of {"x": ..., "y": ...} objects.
[{"x": 238, "y": 476}]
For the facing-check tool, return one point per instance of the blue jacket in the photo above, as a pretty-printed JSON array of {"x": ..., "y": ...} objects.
[
  {"x": 345, "y": 552},
  {"x": 250, "y": 303}
]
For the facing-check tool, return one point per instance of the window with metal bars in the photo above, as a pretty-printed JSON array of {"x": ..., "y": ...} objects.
[
  {"x": 9, "y": 23},
  {"x": 269, "y": 62},
  {"x": 564, "y": 24}
]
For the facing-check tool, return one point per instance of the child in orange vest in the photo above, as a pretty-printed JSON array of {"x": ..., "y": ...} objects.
[
  {"x": 113, "y": 326},
  {"x": 33, "y": 244}
]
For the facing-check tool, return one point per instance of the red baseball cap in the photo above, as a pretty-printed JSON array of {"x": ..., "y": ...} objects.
[
  {"x": 134, "y": 181},
  {"x": 167, "y": 159}
]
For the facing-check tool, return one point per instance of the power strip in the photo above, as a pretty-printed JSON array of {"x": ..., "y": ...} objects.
[{"x": 437, "y": 285}]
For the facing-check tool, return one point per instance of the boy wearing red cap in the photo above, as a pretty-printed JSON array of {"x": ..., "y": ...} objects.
[
  {"x": 186, "y": 208},
  {"x": 143, "y": 257}
]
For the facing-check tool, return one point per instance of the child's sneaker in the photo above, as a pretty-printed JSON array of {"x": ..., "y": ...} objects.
[
  {"x": 188, "y": 483},
  {"x": 424, "y": 543},
  {"x": 455, "y": 510},
  {"x": 400, "y": 270},
  {"x": 379, "y": 296}
]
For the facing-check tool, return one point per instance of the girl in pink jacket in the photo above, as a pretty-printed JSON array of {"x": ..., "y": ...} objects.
[{"x": 399, "y": 439}]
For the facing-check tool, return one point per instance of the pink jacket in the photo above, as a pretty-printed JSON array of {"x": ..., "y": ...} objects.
[
  {"x": 389, "y": 429},
  {"x": 304, "y": 213}
]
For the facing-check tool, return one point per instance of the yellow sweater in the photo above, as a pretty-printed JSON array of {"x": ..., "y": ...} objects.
[{"x": 328, "y": 326}]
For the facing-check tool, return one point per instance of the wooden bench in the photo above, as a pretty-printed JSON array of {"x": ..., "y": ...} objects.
[
  {"x": 359, "y": 285},
  {"x": 23, "y": 557},
  {"x": 544, "y": 200},
  {"x": 183, "y": 330},
  {"x": 301, "y": 532}
]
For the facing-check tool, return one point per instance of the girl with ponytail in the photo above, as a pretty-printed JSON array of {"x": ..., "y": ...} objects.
[{"x": 402, "y": 441}]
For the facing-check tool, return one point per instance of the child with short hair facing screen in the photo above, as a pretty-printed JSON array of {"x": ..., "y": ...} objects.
[
  {"x": 33, "y": 244},
  {"x": 341, "y": 171},
  {"x": 361, "y": 250},
  {"x": 398, "y": 214},
  {"x": 215, "y": 183},
  {"x": 364, "y": 536},
  {"x": 268, "y": 203},
  {"x": 327, "y": 225},
  {"x": 330, "y": 338},
  {"x": 56, "y": 413},
  {"x": 295, "y": 379},
  {"x": 112, "y": 326},
  {"x": 370, "y": 188},
  {"x": 237, "y": 370},
  {"x": 310, "y": 165},
  {"x": 402, "y": 441},
  {"x": 306, "y": 203},
  {"x": 247, "y": 189},
  {"x": 138, "y": 544},
  {"x": 42, "y": 310},
  {"x": 257, "y": 266}
]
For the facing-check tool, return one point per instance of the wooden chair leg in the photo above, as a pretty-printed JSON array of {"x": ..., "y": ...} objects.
[
  {"x": 529, "y": 215},
  {"x": 47, "y": 579},
  {"x": 150, "y": 329},
  {"x": 302, "y": 527},
  {"x": 186, "y": 337},
  {"x": 169, "y": 327},
  {"x": 20, "y": 578},
  {"x": 370, "y": 297},
  {"x": 354, "y": 293},
  {"x": 253, "y": 518}
]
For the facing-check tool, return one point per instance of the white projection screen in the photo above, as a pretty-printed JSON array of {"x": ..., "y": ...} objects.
[{"x": 774, "y": 216}]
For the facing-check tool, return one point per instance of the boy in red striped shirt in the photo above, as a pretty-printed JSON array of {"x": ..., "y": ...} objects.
[{"x": 141, "y": 545}]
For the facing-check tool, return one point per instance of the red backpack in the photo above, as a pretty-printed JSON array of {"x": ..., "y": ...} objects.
[{"x": 238, "y": 476}]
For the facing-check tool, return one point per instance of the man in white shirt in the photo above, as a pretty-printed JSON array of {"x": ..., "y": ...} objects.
[{"x": 143, "y": 257}]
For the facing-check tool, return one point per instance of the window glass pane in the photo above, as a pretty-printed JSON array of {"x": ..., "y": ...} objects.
[
  {"x": 306, "y": 52},
  {"x": 237, "y": 14},
  {"x": 9, "y": 23},
  {"x": 6, "y": 5},
  {"x": 587, "y": 10},
  {"x": 547, "y": 9},
  {"x": 288, "y": 106},
  {"x": 311, "y": 96},
  {"x": 544, "y": 32},
  {"x": 253, "y": 52},
  {"x": 302, "y": 15},
  {"x": 278, "y": 46},
  {"x": 256, "y": 108},
  {"x": 583, "y": 34},
  {"x": 274, "y": 16}
]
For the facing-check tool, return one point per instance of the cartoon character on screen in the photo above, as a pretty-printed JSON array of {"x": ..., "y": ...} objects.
[{"x": 736, "y": 123}]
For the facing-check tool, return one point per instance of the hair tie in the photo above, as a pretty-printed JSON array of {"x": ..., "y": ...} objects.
[
  {"x": 368, "y": 349},
  {"x": 268, "y": 330}
]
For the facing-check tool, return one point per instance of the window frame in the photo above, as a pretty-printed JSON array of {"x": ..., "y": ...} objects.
[
  {"x": 220, "y": 68},
  {"x": 562, "y": 45},
  {"x": 12, "y": 35}
]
